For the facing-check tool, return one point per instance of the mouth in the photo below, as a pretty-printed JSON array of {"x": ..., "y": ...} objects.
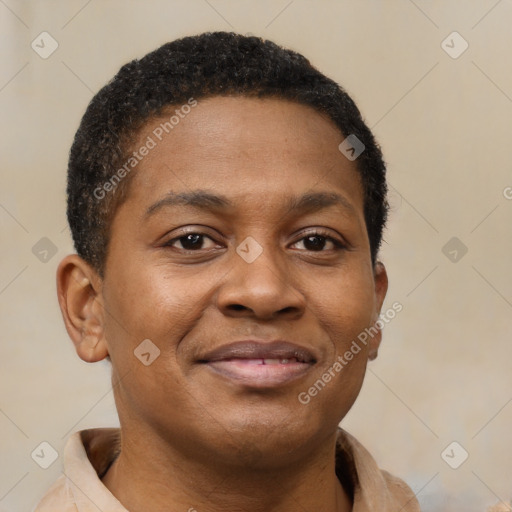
[{"x": 260, "y": 364}]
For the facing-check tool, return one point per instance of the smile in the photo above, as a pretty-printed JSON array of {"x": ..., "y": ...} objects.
[{"x": 260, "y": 364}]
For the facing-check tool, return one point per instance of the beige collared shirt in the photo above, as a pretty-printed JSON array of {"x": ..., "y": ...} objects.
[{"x": 89, "y": 453}]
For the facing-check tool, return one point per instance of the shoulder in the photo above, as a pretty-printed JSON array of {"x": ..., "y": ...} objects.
[
  {"x": 501, "y": 507},
  {"x": 58, "y": 498},
  {"x": 401, "y": 492},
  {"x": 86, "y": 456},
  {"x": 373, "y": 488}
]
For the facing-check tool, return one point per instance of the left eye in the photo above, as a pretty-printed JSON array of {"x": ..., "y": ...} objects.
[{"x": 316, "y": 242}]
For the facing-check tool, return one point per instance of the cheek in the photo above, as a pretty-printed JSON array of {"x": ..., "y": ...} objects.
[
  {"x": 153, "y": 303},
  {"x": 345, "y": 312},
  {"x": 348, "y": 310}
]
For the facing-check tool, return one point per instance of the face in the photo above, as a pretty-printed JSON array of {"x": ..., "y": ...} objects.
[{"x": 242, "y": 254}]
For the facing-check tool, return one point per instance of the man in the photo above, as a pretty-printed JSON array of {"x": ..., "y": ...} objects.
[{"x": 227, "y": 203}]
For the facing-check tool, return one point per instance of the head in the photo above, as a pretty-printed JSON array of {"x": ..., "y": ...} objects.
[{"x": 209, "y": 202}]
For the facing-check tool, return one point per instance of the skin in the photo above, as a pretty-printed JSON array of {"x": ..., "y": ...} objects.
[{"x": 193, "y": 437}]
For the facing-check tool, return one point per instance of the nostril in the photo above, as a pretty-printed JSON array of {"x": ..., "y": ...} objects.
[
  {"x": 237, "y": 307},
  {"x": 289, "y": 309}
]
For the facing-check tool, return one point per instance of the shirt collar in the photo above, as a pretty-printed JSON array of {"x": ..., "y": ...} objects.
[{"x": 89, "y": 453}]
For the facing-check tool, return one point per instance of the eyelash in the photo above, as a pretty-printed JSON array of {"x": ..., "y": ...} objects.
[{"x": 338, "y": 246}]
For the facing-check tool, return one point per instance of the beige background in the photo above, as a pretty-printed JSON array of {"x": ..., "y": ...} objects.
[{"x": 445, "y": 125}]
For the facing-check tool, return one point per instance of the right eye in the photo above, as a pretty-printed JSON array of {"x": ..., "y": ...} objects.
[{"x": 192, "y": 241}]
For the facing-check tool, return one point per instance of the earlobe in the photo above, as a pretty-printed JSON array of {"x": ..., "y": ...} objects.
[
  {"x": 381, "y": 284},
  {"x": 80, "y": 300},
  {"x": 91, "y": 348},
  {"x": 381, "y": 288}
]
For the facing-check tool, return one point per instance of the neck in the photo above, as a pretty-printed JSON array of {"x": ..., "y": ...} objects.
[{"x": 151, "y": 475}]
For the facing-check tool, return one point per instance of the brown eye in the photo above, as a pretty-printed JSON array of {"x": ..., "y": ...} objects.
[
  {"x": 189, "y": 242},
  {"x": 316, "y": 242}
]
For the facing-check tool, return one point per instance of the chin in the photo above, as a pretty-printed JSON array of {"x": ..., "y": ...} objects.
[{"x": 270, "y": 439}]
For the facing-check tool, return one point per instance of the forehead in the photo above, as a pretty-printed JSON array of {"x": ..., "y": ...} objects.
[
  {"x": 244, "y": 147},
  {"x": 244, "y": 121}
]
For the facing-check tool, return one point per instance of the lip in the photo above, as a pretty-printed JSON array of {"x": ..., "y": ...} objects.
[{"x": 260, "y": 364}]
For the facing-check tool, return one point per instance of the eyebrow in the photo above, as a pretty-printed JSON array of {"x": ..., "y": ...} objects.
[{"x": 204, "y": 200}]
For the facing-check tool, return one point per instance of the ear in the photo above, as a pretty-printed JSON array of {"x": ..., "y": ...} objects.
[
  {"x": 380, "y": 277},
  {"x": 81, "y": 304}
]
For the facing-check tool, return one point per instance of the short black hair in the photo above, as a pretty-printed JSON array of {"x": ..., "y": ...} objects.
[{"x": 200, "y": 66}]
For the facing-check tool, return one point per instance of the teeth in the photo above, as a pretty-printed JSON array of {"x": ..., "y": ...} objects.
[
  {"x": 282, "y": 360},
  {"x": 279, "y": 361}
]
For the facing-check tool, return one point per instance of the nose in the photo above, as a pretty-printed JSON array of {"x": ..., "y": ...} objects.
[{"x": 263, "y": 288}]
